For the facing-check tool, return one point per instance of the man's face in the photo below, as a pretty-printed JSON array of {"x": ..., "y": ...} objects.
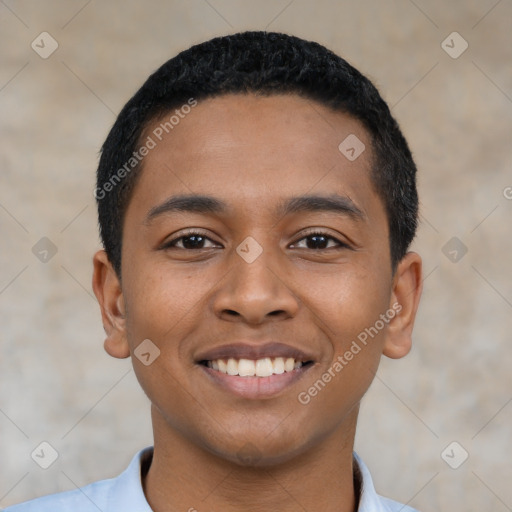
[{"x": 251, "y": 281}]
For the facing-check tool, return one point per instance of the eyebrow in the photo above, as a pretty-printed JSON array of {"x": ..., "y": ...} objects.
[{"x": 204, "y": 204}]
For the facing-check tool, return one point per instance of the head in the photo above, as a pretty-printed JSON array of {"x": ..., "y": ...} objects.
[
  {"x": 257, "y": 125},
  {"x": 263, "y": 64}
]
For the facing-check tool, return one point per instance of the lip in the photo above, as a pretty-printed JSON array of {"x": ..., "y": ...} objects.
[
  {"x": 251, "y": 350},
  {"x": 255, "y": 387}
]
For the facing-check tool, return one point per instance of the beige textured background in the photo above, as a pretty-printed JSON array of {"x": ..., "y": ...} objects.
[{"x": 57, "y": 384}]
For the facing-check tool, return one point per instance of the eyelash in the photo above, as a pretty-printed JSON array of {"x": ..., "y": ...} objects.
[{"x": 172, "y": 243}]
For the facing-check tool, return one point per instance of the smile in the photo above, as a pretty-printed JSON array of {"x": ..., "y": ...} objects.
[
  {"x": 254, "y": 369},
  {"x": 255, "y": 379},
  {"x": 264, "y": 367}
]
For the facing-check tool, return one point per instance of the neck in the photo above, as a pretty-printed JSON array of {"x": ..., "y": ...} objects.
[{"x": 186, "y": 477}]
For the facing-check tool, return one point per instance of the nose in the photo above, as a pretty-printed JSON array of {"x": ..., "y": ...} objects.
[{"x": 256, "y": 292}]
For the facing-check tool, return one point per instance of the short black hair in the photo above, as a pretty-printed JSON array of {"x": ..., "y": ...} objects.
[{"x": 263, "y": 63}]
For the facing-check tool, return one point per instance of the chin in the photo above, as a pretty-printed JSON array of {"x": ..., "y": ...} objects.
[{"x": 259, "y": 453}]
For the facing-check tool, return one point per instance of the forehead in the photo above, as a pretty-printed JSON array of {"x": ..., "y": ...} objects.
[{"x": 251, "y": 151}]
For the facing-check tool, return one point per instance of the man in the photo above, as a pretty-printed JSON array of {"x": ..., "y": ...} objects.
[{"x": 256, "y": 203}]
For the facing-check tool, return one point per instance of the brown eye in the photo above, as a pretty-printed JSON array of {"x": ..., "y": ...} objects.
[
  {"x": 320, "y": 241},
  {"x": 189, "y": 241}
]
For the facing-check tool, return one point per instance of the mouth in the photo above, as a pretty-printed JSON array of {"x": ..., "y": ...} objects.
[
  {"x": 264, "y": 367},
  {"x": 255, "y": 371}
]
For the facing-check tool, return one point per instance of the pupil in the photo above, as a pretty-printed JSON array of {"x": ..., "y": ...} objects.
[
  {"x": 197, "y": 243},
  {"x": 322, "y": 243}
]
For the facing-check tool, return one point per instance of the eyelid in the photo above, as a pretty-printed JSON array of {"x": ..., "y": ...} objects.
[
  {"x": 323, "y": 232},
  {"x": 183, "y": 234}
]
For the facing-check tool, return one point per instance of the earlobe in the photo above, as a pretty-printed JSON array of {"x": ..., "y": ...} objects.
[
  {"x": 107, "y": 289},
  {"x": 405, "y": 297}
]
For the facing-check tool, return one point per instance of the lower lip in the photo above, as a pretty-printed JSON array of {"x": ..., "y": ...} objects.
[{"x": 256, "y": 387}]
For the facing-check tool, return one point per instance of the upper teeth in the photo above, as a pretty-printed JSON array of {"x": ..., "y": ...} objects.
[{"x": 259, "y": 368}]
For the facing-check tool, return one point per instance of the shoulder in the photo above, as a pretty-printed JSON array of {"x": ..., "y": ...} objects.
[
  {"x": 123, "y": 492},
  {"x": 393, "y": 506},
  {"x": 369, "y": 500},
  {"x": 89, "y": 498}
]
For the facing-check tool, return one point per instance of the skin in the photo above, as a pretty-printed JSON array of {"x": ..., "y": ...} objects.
[{"x": 252, "y": 153}]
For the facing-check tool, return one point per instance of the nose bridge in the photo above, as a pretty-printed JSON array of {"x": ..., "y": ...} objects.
[
  {"x": 253, "y": 272},
  {"x": 256, "y": 285}
]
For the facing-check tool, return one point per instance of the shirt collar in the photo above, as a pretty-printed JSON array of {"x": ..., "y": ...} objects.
[
  {"x": 369, "y": 500},
  {"x": 127, "y": 493}
]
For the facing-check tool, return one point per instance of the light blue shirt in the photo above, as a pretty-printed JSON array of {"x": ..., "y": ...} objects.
[{"x": 124, "y": 494}]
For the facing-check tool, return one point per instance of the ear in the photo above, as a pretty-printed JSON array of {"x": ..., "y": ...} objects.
[
  {"x": 107, "y": 289},
  {"x": 405, "y": 298}
]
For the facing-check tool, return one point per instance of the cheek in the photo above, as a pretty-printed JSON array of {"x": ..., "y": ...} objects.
[
  {"x": 159, "y": 301},
  {"x": 163, "y": 305},
  {"x": 161, "y": 308},
  {"x": 353, "y": 312},
  {"x": 350, "y": 302}
]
